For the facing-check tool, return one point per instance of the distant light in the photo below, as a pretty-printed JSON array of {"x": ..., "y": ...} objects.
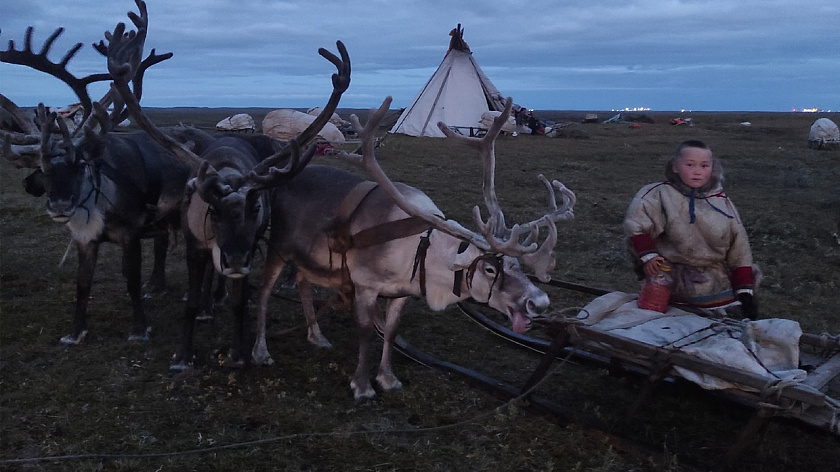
[{"x": 631, "y": 109}]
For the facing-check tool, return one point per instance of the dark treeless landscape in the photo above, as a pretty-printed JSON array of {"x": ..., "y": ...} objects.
[{"x": 111, "y": 404}]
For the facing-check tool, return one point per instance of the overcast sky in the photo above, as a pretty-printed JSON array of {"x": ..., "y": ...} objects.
[{"x": 713, "y": 55}]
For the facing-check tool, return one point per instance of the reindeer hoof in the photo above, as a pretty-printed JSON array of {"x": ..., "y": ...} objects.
[
  {"x": 362, "y": 394},
  {"x": 151, "y": 295},
  {"x": 260, "y": 354},
  {"x": 153, "y": 289},
  {"x": 179, "y": 367},
  {"x": 389, "y": 382},
  {"x": 179, "y": 364},
  {"x": 263, "y": 361},
  {"x": 141, "y": 337},
  {"x": 320, "y": 341},
  {"x": 72, "y": 340}
]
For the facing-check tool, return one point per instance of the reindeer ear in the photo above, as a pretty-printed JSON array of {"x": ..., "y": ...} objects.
[
  {"x": 464, "y": 258},
  {"x": 189, "y": 189},
  {"x": 93, "y": 147}
]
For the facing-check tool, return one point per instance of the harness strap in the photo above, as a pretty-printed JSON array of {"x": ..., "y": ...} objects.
[
  {"x": 459, "y": 274},
  {"x": 340, "y": 238},
  {"x": 420, "y": 260},
  {"x": 353, "y": 199},
  {"x": 388, "y": 231},
  {"x": 342, "y": 241}
]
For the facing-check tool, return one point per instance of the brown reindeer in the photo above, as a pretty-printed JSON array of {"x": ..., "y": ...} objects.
[{"x": 384, "y": 239}]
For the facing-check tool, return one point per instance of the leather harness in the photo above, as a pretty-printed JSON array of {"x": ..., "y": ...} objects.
[{"x": 342, "y": 241}]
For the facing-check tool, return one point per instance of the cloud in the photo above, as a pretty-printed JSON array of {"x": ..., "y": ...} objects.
[{"x": 716, "y": 54}]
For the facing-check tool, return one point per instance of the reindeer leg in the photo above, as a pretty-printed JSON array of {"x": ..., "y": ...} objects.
[
  {"x": 131, "y": 269},
  {"x": 198, "y": 262},
  {"x": 314, "y": 334},
  {"x": 207, "y": 299},
  {"x": 88, "y": 253},
  {"x": 220, "y": 295},
  {"x": 386, "y": 378},
  {"x": 241, "y": 324},
  {"x": 157, "y": 281},
  {"x": 273, "y": 268},
  {"x": 365, "y": 305}
]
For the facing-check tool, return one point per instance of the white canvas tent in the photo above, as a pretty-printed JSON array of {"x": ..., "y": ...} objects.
[
  {"x": 458, "y": 93},
  {"x": 824, "y": 134}
]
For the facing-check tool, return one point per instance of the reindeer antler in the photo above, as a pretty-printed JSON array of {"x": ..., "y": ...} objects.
[
  {"x": 507, "y": 239},
  {"x": 493, "y": 235},
  {"x": 123, "y": 51},
  {"x": 368, "y": 159},
  {"x": 91, "y": 117},
  {"x": 266, "y": 173},
  {"x": 40, "y": 62},
  {"x": 22, "y": 147}
]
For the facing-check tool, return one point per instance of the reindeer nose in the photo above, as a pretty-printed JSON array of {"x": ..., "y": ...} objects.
[
  {"x": 538, "y": 304},
  {"x": 236, "y": 265},
  {"x": 60, "y": 209}
]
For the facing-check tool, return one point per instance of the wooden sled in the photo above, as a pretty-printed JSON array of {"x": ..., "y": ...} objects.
[{"x": 813, "y": 401}]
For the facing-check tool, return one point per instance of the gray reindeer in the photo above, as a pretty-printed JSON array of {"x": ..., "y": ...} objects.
[
  {"x": 226, "y": 209},
  {"x": 105, "y": 187}
]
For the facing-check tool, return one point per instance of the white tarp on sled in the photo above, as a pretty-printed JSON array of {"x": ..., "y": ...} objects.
[{"x": 769, "y": 347}]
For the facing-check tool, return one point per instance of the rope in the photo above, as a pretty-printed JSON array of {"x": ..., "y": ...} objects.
[
  {"x": 716, "y": 328},
  {"x": 496, "y": 412}
]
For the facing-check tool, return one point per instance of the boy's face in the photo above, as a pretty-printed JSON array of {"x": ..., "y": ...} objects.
[{"x": 694, "y": 166}]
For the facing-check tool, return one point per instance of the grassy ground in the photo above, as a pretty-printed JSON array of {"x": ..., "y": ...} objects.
[{"x": 116, "y": 399}]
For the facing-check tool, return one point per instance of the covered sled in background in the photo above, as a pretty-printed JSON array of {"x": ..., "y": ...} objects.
[
  {"x": 240, "y": 122},
  {"x": 285, "y": 124},
  {"x": 334, "y": 119},
  {"x": 824, "y": 135},
  {"x": 487, "y": 121}
]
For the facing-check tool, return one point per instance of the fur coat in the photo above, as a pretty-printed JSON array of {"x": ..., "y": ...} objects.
[{"x": 701, "y": 235}]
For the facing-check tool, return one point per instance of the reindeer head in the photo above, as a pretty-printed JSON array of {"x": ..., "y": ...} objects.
[{"x": 64, "y": 156}]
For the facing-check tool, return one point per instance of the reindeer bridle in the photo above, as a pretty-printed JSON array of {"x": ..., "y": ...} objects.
[{"x": 496, "y": 260}]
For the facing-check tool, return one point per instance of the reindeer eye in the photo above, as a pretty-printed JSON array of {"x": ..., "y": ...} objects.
[{"x": 490, "y": 269}]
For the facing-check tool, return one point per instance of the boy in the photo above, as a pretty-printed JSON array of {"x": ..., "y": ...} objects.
[{"x": 688, "y": 223}]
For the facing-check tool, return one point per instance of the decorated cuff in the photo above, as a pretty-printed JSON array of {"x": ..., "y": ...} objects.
[
  {"x": 743, "y": 279},
  {"x": 643, "y": 245},
  {"x": 648, "y": 256}
]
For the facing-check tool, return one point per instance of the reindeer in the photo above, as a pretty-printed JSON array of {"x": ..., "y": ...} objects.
[
  {"x": 230, "y": 184},
  {"x": 104, "y": 187},
  {"x": 385, "y": 239}
]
